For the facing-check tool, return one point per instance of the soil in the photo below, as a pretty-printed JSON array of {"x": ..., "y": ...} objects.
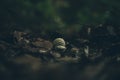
[{"x": 26, "y": 57}]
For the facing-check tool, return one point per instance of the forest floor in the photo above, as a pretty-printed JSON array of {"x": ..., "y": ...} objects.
[{"x": 24, "y": 57}]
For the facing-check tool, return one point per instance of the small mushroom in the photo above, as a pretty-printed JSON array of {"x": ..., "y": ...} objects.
[
  {"x": 59, "y": 41},
  {"x": 60, "y": 48},
  {"x": 59, "y": 44}
]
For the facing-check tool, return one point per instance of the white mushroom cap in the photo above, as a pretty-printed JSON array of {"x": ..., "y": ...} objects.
[
  {"x": 59, "y": 42},
  {"x": 60, "y": 48}
]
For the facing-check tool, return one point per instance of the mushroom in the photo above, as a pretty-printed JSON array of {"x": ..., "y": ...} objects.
[{"x": 59, "y": 44}]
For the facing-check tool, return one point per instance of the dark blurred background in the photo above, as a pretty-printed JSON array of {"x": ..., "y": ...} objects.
[{"x": 57, "y": 14}]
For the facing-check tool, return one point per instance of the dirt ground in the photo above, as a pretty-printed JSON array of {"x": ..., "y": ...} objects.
[{"x": 21, "y": 59}]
